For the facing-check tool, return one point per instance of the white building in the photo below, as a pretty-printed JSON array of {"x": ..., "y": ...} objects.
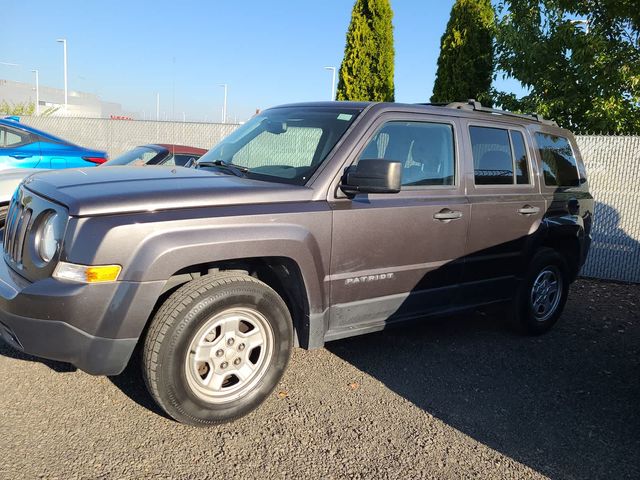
[{"x": 80, "y": 104}]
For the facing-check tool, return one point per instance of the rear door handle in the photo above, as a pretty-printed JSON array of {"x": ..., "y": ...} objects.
[
  {"x": 446, "y": 215},
  {"x": 528, "y": 210},
  {"x": 20, "y": 156}
]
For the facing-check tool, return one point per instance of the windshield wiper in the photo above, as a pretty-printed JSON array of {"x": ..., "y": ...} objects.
[{"x": 237, "y": 170}]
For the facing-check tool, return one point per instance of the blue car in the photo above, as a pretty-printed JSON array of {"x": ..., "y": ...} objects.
[{"x": 22, "y": 146}]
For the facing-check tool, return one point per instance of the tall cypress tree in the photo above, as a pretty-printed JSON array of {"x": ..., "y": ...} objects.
[
  {"x": 465, "y": 64},
  {"x": 366, "y": 73}
]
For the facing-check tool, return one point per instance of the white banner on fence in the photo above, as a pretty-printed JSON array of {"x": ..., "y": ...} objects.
[{"x": 613, "y": 170}]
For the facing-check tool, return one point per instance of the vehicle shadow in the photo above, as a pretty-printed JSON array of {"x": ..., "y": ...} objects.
[
  {"x": 10, "y": 352},
  {"x": 565, "y": 403},
  {"x": 614, "y": 254},
  {"x": 131, "y": 383}
]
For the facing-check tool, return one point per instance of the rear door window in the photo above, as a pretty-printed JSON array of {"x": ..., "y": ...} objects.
[
  {"x": 499, "y": 156},
  {"x": 558, "y": 162},
  {"x": 492, "y": 162}
]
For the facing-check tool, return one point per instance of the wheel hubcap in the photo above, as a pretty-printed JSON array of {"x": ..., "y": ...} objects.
[
  {"x": 546, "y": 293},
  {"x": 229, "y": 355}
]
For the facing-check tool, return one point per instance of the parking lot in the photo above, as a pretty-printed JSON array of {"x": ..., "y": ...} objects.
[{"x": 451, "y": 398}]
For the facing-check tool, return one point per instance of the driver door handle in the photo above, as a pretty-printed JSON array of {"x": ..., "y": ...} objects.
[
  {"x": 446, "y": 215},
  {"x": 528, "y": 210},
  {"x": 20, "y": 156}
]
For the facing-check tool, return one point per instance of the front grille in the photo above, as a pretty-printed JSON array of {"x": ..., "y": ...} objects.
[{"x": 15, "y": 230}]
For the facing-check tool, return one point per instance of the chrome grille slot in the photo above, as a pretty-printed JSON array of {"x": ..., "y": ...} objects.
[
  {"x": 7, "y": 221},
  {"x": 22, "y": 230},
  {"x": 17, "y": 223},
  {"x": 10, "y": 224},
  {"x": 14, "y": 234}
]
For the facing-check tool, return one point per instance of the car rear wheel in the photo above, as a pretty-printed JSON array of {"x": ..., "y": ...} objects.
[
  {"x": 217, "y": 348},
  {"x": 542, "y": 294}
]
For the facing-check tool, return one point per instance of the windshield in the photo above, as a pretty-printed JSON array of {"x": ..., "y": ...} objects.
[
  {"x": 137, "y": 156},
  {"x": 284, "y": 144}
]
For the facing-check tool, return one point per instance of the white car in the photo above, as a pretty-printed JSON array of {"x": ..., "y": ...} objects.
[{"x": 9, "y": 181}]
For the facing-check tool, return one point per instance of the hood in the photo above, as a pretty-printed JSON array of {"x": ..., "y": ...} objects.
[
  {"x": 100, "y": 191},
  {"x": 10, "y": 178}
]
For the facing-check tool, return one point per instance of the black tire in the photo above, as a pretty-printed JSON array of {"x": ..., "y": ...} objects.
[
  {"x": 527, "y": 319},
  {"x": 168, "y": 347}
]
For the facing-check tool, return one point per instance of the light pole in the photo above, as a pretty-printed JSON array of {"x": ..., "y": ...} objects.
[
  {"x": 66, "y": 97},
  {"x": 333, "y": 81},
  {"x": 157, "y": 107},
  {"x": 37, "y": 92},
  {"x": 224, "y": 105}
]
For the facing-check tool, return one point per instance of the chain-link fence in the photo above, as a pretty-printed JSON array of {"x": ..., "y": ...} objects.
[
  {"x": 613, "y": 166},
  {"x": 613, "y": 169},
  {"x": 118, "y": 136}
]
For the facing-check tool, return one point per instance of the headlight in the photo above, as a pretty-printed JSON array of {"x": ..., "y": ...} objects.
[
  {"x": 87, "y": 273},
  {"x": 46, "y": 241}
]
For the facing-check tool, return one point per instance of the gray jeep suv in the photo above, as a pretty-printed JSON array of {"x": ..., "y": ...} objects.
[{"x": 311, "y": 222}]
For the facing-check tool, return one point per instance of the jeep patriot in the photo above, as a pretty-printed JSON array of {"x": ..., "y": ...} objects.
[{"x": 311, "y": 222}]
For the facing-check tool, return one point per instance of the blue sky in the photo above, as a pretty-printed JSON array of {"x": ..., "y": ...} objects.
[{"x": 268, "y": 52}]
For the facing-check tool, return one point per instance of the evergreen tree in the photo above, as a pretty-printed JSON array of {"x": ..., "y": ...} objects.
[
  {"x": 465, "y": 65},
  {"x": 366, "y": 73}
]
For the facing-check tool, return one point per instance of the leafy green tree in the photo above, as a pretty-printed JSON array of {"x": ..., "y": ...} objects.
[
  {"x": 366, "y": 73},
  {"x": 24, "y": 109},
  {"x": 20, "y": 108},
  {"x": 579, "y": 60},
  {"x": 465, "y": 64}
]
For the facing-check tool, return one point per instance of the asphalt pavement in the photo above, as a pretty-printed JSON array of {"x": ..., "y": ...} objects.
[{"x": 450, "y": 398}]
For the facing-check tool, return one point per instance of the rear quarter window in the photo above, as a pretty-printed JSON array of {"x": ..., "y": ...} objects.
[
  {"x": 10, "y": 138},
  {"x": 559, "y": 165}
]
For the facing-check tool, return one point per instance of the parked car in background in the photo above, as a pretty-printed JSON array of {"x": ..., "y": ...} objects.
[
  {"x": 154, "y": 154},
  {"x": 158, "y": 154},
  {"x": 22, "y": 146}
]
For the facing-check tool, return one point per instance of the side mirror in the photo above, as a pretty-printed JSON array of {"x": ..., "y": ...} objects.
[{"x": 372, "y": 176}]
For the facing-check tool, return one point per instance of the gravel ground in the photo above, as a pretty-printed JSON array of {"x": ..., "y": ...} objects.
[{"x": 454, "y": 398}]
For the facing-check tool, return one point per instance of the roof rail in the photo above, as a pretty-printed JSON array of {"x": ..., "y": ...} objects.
[
  {"x": 476, "y": 106},
  {"x": 433, "y": 104}
]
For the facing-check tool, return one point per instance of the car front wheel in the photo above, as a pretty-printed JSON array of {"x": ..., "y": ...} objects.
[{"x": 217, "y": 348}]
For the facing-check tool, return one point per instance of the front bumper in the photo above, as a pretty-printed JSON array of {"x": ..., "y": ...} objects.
[
  {"x": 94, "y": 327},
  {"x": 58, "y": 340}
]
